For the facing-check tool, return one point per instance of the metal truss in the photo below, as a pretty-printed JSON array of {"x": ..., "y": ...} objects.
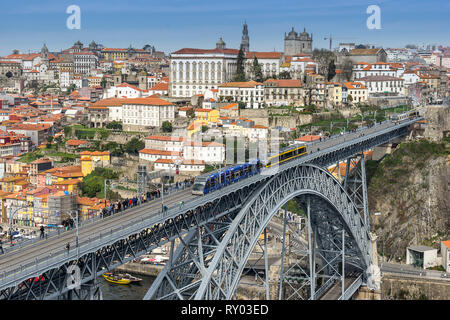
[
  {"x": 217, "y": 271},
  {"x": 355, "y": 184}
]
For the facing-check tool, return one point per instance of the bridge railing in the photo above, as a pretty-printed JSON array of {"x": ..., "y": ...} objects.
[
  {"x": 348, "y": 293},
  {"x": 59, "y": 257},
  {"x": 91, "y": 244},
  {"x": 335, "y": 136},
  {"x": 327, "y": 285},
  {"x": 59, "y": 230}
]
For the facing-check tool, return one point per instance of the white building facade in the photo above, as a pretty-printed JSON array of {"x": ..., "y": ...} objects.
[{"x": 192, "y": 71}]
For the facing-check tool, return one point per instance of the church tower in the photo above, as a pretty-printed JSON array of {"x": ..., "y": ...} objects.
[
  {"x": 295, "y": 43},
  {"x": 245, "y": 43},
  {"x": 44, "y": 55}
]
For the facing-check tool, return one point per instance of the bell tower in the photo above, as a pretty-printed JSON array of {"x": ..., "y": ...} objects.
[{"x": 245, "y": 42}]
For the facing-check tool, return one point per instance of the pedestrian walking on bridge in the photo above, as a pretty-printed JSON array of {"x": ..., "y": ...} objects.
[
  {"x": 1, "y": 246},
  {"x": 42, "y": 231},
  {"x": 68, "y": 247}
]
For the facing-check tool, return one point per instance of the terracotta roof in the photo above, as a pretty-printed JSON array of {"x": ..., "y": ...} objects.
[
  {"x": 30, "y": 126},
  {"x": 380, "y": 78},
  {"x": 203, "y": 144},
  {"x": 247, "y": 84},
  {"x": 263, "y": 55},
  {"x": 160, "y": 152},
  {"x": 153, "y": 101},
  {"x": 308, "y": 138},
  {"x": 164, "y": 161},
  {"x": 68, "y": 182},
  {"x": 165, "y": 138},
  {"x": 285, "y": 83},
  {"x": 351, "y": 85},
  {"x": 205, "y": 51},
  {"x": 364, "y": 51},
  {"x": 162, "y": 86},
  {"x": 127, "y": 85},
  {"x": 73, "y": 142},
  {"x": 193, "y": 162},
  {"x": 231, "y": 106}
]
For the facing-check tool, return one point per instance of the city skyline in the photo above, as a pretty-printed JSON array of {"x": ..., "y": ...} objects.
[{"x": 199, "y": 24}]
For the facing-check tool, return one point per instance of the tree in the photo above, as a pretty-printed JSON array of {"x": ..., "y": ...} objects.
[
  {"x": 103, "y": 83},
  {"x": 71, "y": 88},
  {"x": 284, "y": 75},
  {"x": 115, "y": 125},
  {"x": 134, "y": 145},
  {"x": 166, "y": 126},
  {"x": 347, "y": 69},
  {"x": 240, "y": 69},
  {"x": 323, "y": 57},
  {"x": 204, "y": 128},
  {"x": 93, "y": 183},
  {"x": 67, "y": 131},
  {"x": 349, "y": 98},
  {"x": 256, "y": 70},
  {"x": 331, "y": 70}
]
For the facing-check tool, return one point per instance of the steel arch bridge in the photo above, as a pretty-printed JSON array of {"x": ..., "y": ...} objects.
[
  {"x": 212, "y": 227},
  {"x": 209, "y": 263}
]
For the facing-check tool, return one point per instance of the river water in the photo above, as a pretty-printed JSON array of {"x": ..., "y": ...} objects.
[{"x": 132, "y": 291}]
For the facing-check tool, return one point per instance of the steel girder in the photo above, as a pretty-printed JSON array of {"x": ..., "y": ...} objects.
[{"x": 223, "y": 262}]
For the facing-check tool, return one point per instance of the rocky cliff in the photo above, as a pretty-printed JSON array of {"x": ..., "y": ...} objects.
[{"x": 410, "y": 191}]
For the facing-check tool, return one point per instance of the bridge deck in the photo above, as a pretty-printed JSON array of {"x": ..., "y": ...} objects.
[{"x": 335, "y": 292}]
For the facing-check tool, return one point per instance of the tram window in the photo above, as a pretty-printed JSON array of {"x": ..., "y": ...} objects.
[{"x": 208, "y": 184}]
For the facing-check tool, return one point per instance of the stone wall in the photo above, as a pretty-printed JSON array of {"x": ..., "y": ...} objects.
[
  {"x": 437, "y": 122},
  {"x": 290, "y": 121},
  {"x": 260, "y": 116},
  {"x": 401, "y": 287}
]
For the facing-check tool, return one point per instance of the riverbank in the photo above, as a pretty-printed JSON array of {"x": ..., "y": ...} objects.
[{"x": 141, "y": 268}]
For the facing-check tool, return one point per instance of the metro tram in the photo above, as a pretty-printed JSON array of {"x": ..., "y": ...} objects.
[{"x": 217, "y": 179}]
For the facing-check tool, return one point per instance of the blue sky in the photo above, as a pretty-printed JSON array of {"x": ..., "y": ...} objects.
[{"x": 173, "y": 24}]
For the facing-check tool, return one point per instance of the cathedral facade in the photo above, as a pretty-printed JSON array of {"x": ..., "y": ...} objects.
[{"x": 295, "y": 43}]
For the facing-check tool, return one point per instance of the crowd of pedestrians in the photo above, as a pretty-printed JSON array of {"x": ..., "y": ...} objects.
[{"x": 121, "y": 205}]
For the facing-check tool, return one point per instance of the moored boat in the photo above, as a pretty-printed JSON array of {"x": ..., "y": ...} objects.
[
  {"x": 130, "y": 277},
  {"x": 117, "y": 279}
]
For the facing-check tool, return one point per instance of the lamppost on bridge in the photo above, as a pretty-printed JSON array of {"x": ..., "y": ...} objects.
[
  {"x": 106, "y": 186},
  {"x": 11, "y": 216},
  {"x": 76, "y": 226}
]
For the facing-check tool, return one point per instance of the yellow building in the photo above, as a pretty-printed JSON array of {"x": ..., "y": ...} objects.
[
  {"x": 23, "y": 216},
  {"x": 4, "y": 216},
  {"x": 112, "y": 54},
  {"x": 94, "y": 81},
  {"x": 334, "y": 92},
  {"x": 70, "y": 185},
  {"x": 8, "y": 184},
  {"x": 196, "y": 126},
  {"x": 207, "y": 115},
  {"x": 90, "y": 160}
]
